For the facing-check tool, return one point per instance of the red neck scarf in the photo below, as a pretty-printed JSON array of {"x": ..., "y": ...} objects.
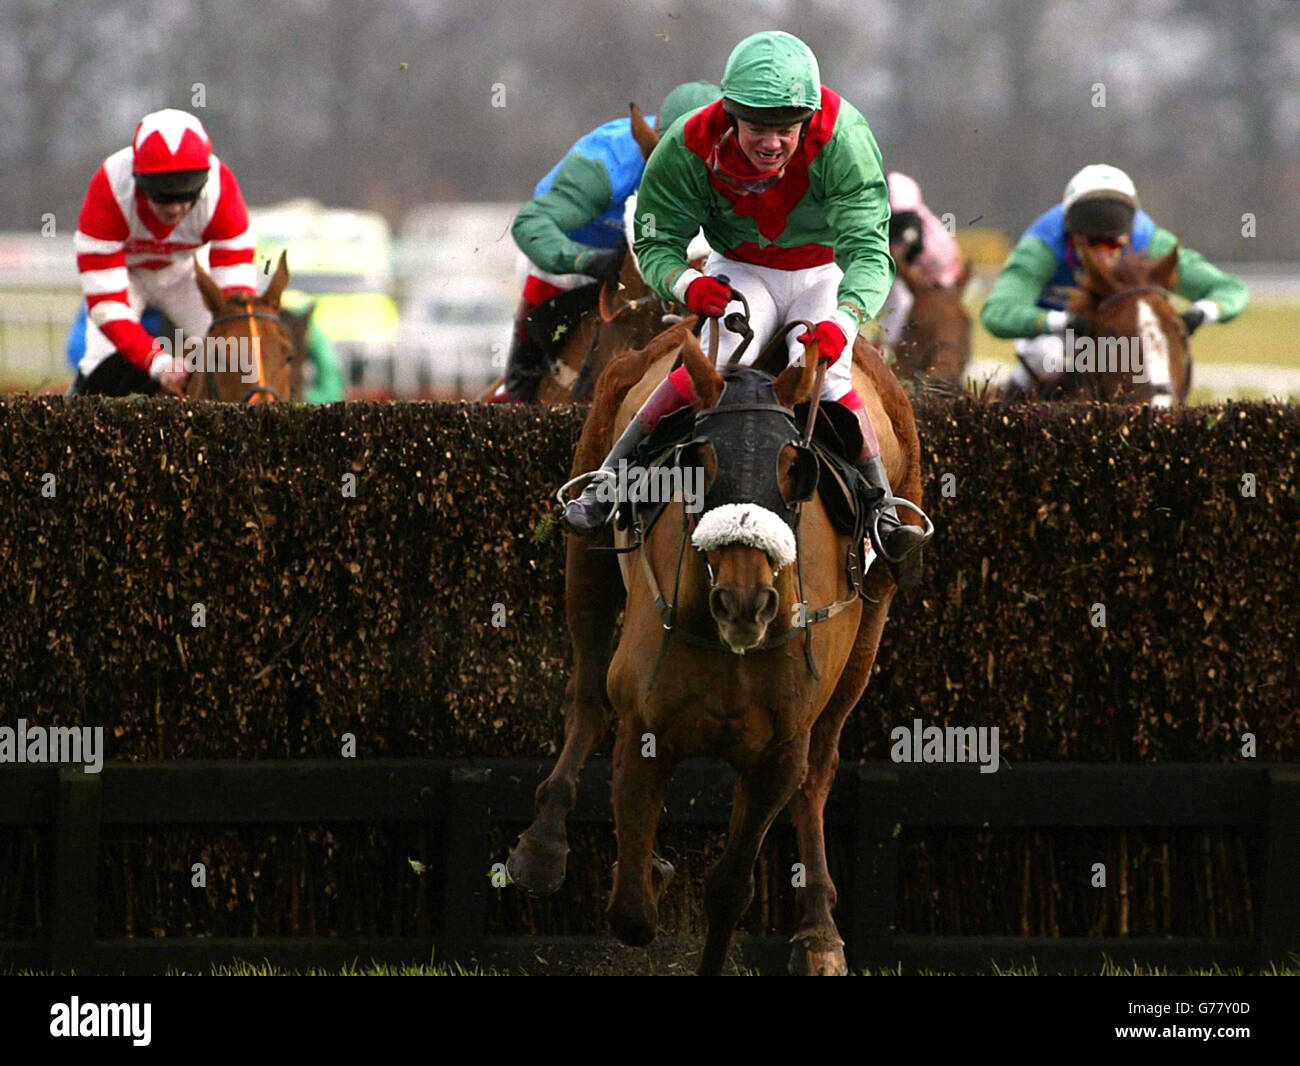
[{"x": 732, "y": 167}]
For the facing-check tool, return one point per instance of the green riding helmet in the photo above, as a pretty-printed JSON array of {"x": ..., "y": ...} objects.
[
  {"x": 772, "y": 79},
  {"x": 686, "y": 98}
]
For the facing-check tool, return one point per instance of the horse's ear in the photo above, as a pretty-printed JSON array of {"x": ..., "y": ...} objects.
[
  {"x": 1165, "y": 271},
  {"x": 213, "y": 298},
  {"x": 707, "y": 381},
  {"x": 796, "y": 380},
  {"x": 278, "y": 281},
  {"x": 645, "y": 137}
]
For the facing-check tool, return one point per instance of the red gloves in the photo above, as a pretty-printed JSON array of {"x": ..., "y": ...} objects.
[
  {"x": 830, "y": 340},
  {"x": 708, "y": 297}
]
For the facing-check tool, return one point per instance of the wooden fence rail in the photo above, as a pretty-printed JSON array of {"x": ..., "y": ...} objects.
[{"x": 871, "y": 803}]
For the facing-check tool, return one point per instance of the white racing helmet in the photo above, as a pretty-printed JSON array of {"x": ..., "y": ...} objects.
[{"x": 1100, "y": 201}]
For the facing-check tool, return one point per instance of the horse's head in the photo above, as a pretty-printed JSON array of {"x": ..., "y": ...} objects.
[
  {"x": 756, "y": 473},
  {"x": 1140, "y": 345},
  {"x": 248, "y": 353}
]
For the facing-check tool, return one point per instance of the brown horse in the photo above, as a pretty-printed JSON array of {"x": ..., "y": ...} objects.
[
  {"x": 934, "y": 347},
  {"x": 731, "y": 679},
  {"x": 297, "y": 324},
  {"x": 1128, "y": 306},
  {"x": 248, "y": 355},
  {"x": 627, "y": 318},
  {"x": 1136, "y": 349}
]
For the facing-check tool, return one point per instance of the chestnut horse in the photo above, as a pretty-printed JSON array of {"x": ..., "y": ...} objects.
[
  {"x": 627, "y": 318},
  {"x": 245, "y": 325},
  {"x": 730, "y": 679},
  {"x": 933, "y": 348},
  {"x": 1136, "y": 350}
]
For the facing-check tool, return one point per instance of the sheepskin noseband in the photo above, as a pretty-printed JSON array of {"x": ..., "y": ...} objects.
[{"x": 748, "y": 524}]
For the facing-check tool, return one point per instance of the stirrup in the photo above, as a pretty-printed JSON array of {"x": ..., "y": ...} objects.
[
  {"x": 602, "y": 474},
  {"x": 890, "y": 500}
]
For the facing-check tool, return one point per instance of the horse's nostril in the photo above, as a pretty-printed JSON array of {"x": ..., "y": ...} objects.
[
  {"x": 722, "y": 604},
  {"x": 765, "y": 603}
]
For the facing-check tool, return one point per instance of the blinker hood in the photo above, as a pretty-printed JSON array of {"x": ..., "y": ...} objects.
[{"x": 747, "y": 430}]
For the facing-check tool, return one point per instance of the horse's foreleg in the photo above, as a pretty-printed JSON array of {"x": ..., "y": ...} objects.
[
  {"x": 818, "y": 949},
  {"x": 761, "y": 793},
  {"x": 640, "y": 782},
  {"x": 593, "y": 597}
]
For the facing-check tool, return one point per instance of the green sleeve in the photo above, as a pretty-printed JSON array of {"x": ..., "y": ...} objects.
[
  {"x": 1199, "y": 279},
  {"x": 856, "y": 201},
  {"x": 1012, "y": 307},
  {"x": 582, "y": 192},
  {"x": 328, "y": 384},
  {"x": 671, "y": 205}
]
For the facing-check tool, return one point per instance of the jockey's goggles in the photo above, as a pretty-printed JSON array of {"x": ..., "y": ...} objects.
[
  {"x": 1113, "y": 243},
  {"x": 173, "y": 187}
]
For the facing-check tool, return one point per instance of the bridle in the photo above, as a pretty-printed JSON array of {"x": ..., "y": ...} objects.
[{"x": 251, "y": 316}]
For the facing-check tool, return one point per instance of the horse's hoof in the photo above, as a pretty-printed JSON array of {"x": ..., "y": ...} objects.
[
  {"x": 537, "y": 868},
  {"x": 816, "y": 957},
  {"x": 633, "y": 930}
]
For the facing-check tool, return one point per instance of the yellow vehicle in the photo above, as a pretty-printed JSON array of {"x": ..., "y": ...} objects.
[{"x": 342, "y": 262}]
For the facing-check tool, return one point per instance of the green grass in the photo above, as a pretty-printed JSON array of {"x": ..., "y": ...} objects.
[
  {"x": 1263, "y": 333},
  {"x": 373, "y": 969}
]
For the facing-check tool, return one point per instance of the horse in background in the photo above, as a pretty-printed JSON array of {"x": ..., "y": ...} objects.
[
  {"x": 1128, "y": 346},
  {"x": 1128, "y": 306},
  {"x": 252, "y": 324},
  {"x": 934, "y": 346},
  {"x": 629, "y": 317}
]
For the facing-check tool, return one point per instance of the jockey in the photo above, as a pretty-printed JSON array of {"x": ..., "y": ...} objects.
[
  {"x": 918, "y": 238},
  {"x": 785, "y": 177},
  {"x": 570, "y": 232},
  {"x": 1100, "y": 211},
  {"x": 149, "y": 208}
]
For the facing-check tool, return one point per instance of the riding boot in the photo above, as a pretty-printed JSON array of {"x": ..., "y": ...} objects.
[
  {"x": 899, "y": 545},
  {"x": 526, "y": 363},
  {"x": 595, "y": 506}
]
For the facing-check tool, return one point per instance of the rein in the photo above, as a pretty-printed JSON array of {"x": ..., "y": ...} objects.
[{"x": 250, "y": 316}]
